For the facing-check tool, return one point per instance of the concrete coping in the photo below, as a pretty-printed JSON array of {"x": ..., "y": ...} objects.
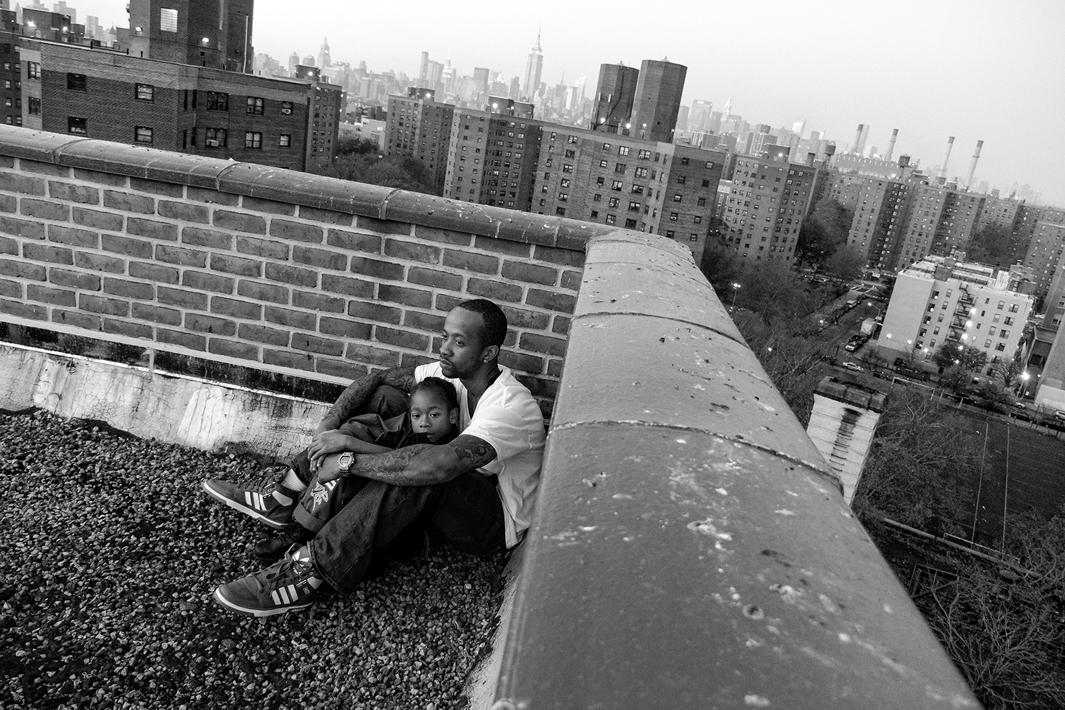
[
  {"x": 851, "y": 393},
  {"x": 297, "y": 188}
]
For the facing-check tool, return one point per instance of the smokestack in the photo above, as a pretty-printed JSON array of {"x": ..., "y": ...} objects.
[
  {"x": 857, "y": 147},
  {"x": 972, "y": 166},
  {"x": 891, "y": 143},
  {"x": 946, "y": 158}
]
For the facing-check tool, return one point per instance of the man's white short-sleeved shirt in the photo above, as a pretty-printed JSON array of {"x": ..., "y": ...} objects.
[{"x": 509, "y": 420}]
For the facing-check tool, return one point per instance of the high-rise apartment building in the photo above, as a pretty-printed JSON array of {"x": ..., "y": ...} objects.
[
  {"x": 657, "y": 101},
  {"x": 880, "y": 214},
  {"x": 420, "y": 128},
  {"x": 492, "y": 158},
  {"x": 614, "y": 97},
  {"x": 534, "y": 67},
  {"x": 765, "y": 208},
  {"x": 957, "y": 223},
  {"x": 1046, "y": 254},
  {"x": 208, "y": 33},
  {"x": 942, "y": 221}
]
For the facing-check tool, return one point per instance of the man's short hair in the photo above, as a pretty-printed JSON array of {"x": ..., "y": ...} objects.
[{"x": 493, "y": 320}]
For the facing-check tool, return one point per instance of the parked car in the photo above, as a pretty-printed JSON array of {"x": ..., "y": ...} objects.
[{"x": 852, "y": 366}]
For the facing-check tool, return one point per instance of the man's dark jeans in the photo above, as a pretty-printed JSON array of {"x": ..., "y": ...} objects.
[{"x": 363, "y": 517}]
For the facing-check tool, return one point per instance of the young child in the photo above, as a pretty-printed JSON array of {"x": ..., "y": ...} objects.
[{"x": 433, "y": 412}]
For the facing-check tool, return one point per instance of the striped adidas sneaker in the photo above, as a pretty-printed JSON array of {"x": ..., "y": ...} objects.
[
  {"x": 289, "y": 584},
  {"x": 262, "y": 505}
]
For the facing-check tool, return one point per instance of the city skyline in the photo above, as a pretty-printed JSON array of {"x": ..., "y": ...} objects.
[{"x": 973, "y": 70}]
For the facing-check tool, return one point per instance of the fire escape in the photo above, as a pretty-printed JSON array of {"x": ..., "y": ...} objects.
[{"x": 962, "y": 315}]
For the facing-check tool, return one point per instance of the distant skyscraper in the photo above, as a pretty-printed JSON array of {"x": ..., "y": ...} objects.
[
  {"x": 324, "y": 58},
  {"x": 614, "y": 96},
  {"x": 534, "y": 67},
  {"x": 657, "y": 102},
  {"x": 699, "y": 116}
]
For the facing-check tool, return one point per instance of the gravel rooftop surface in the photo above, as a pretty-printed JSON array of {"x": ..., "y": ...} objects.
[{"x": 109, "y": 554}]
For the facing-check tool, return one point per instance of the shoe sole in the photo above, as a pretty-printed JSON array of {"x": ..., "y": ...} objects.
[
  {"x": 251, "y": 513},
  {"x": 220, "y": 599}
]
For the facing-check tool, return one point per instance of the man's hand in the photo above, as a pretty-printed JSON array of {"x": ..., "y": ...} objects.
[
  {"x": 329, "y": 442},
  {"x": 328, "y": 469}
]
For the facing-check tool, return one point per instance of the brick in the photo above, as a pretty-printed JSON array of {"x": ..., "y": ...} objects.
[
  {"x": 240, "y": 222},
  {"x": 541, "y": 388},
  {"x": 263, "y": 247},
  {"x": 296, "y": 231},
  {"x": 208, "y": 282},
  {"x": 572, "y": 280},
  {"x": 152, "y": 228},
  {"x": 233, "y": 348},
  {"x": 444, "y": 302},
  {"x": 339, "y": 368},
  {"x": 531, "y": 273},
  {"x": 10, "y": 289},
  {"x": 291, "y": 318},
  {"x": 196, "y": 236},
  {"x": 129, "y": 289},
  {"x": 401, "y": 338},
  {"x": 433, "y": 322},
  {"x": 99, "y": 262},
  {"x": 6, "y": 162},
  {"x": 369, "y": 355},
  {"x": 414, "y": 360},
  {"x": 344, "y": 328},
  {"x": 98, "y": 219},
  {"x": 159, "y": 188},
  {"x": 181, "y": 298},
  {"x": 23, "y": 310},
  {"x": 494, "y": 290},
  {"x": 554, "y": 255},
  {"x": 563, "y": 302},
  {"x": 14, "y": 182},
  {"x": 210, "y": 324},
  {"x": 434, "y": 278},
  {"x": 375, "y": 312},
  {"x": 554, "y": 367},
  {"x": 321, "y": 258},
  {"x": 443, "y": 236},
  {"x": 502, "y": 246},
  {"x": 212, "y": 196},
  {"x": 376, "y": 268},
  {"x": 318, "y": 302},
  {"x": 296, "y": 361},
  {"x": 69, "y": 192},
  {"x": 327, "y": 216},
  {"x": 257, "y": 204},
  {"x": 127, "y": 245},
  {"x": 184, "y": 211},
  {"x": 347, "y": 286},
  {"x": 412, "y": 252},
  {"x": 405, "y": 296},
  {"x": 355, "y": 241},
  {"x": 74, "y": 279},
  {"x": 262, "y": 334},
  {"x": 543, "y": 344},
  {"x": 520, "y": 361},
  {"x": 129, "y": 202},
  {"x": 33, "y": 166},
  {"x": 153, "y": 272},
  {"x": 8, "y": 203},
  {"x": 100, "y": 304},
  {"x": 77, "y": 319},
  {"x": 180, "y": 256},
  {"x": 237, "y": 309},
  {"x": 73, "y": 236},
  {"x": 317, "y": 345},
  {"x": 46, "y": 252},
  {"x": 560, "y": 325},
  {"x": 54, "y": 296},
  {"x": 100, "y": 178},
  {"x": 132, "y": 330},
  {"x": 383, "y": 226},
  {"x": 469, "y": 261},
  {"x": 157, "y": 314},
  {"x": 262, "y": 292},
  {"x": 236, "y": 265},
  {"x": 179, "y": 337},
  {"x": 21, "y": 227},
  {"x": 8, "y": 246},
  {"x": 528, "y": 320},
  {"x": 291, "y": 275}
]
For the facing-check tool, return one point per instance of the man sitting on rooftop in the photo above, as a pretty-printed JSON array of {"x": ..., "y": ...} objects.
[{"x": 475, "y": 493}]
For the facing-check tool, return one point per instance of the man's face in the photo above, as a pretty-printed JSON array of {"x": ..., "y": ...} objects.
[
  {"x": 430, "y": 416},
  {"x": 461, "y": 352}
]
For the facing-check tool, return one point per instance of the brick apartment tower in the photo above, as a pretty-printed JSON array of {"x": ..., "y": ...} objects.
[
  {"x": 614, "y": 97},
  {"x": 419, "y": 127},
  {"x": 841, "y": 426},
  {"x": 657, "y": 101},
  {"x": 204, "y": 33}
]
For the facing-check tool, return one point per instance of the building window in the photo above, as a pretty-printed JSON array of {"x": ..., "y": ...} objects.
[
  {"x": 255, "y": 105},
  {"x": 76, "y": 82},
  {"x": 620, "y": 168},
  {"x": 142, "y": 134},
  {"x": 634, "y": 206},
  {"x": 570, "y": 153},
  {"x": 677, "y": 197},
  {"x": 623, "y": 150},
  {"x": 594, "y": 215},
  {"x": 35, "y": 106},
  {"x": 214, "y": 137},
  {"x": 285, "y": 140},
  {"x": 613, "y": 202},
  {"x": 603, "y": 163},
  {"x": 253, "y": 140},
  {"x": 673, "y": 216},
  {"x": 630, "y": 224},
  {"x": 611, "y": 219},
  {"x": 640, "y": 172},
  {"x": 144, "y": 92},
  {"x": 217, "y": 101},
  {"x": 33, "y": 70},
  {"x": 701, "y": 202},
  {"x": 286, "y": 108},
  {"x": 78, "y": 126},
  {"x": 560, "y": 211},
  {"x": 683, "y": 161},
  {"x": 616, "y": 185},
  {"x": 563, "y": 196},
  {"x": 597, "y": 197},
  {"x": 168, "y": 19},
  {"x": 681, "y": 179},
  {"x": 567, "y": 168}
]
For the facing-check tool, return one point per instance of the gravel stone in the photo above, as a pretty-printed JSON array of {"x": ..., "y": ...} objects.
[{"x": 109, "y": 554}]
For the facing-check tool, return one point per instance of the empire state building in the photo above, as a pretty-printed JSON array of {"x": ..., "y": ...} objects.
[{"x": 533, "y": 67}]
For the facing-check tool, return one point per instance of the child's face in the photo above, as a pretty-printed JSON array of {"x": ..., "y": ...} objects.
[{"x": 430, "y": 416}]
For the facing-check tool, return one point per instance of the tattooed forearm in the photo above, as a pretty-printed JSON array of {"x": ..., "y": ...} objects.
[
  {"x": 472, "y": 452},
  {"x": 360, "y": 390},
  {"x": 425, "y": 464}
]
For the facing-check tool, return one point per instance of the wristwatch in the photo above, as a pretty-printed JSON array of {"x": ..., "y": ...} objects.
[{"x": 345, "y": 462}]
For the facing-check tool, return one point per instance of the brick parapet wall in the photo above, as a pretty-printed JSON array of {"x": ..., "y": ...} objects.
[{"x": 268, "y": 268}]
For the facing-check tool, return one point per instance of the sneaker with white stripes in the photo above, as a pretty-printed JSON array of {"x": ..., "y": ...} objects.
[
  {"x": 289, "y": 584},
  {"x": 272, "y": 505}
]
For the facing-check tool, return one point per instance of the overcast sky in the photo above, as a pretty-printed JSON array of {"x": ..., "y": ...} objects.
[{"x": 974, "y": 69}]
